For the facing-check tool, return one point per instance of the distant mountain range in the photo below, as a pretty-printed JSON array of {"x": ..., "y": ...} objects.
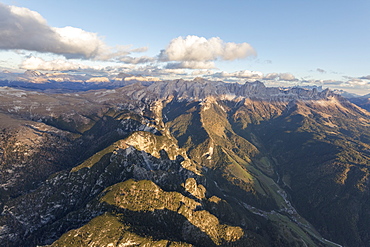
[
  {"x": 181, "y": 163},
  {"x": 363, "y": 101},
  {"x": 64, "y": 82}
]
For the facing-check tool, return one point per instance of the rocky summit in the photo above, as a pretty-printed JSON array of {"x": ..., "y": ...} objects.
[{"x": 183, "y": 163}]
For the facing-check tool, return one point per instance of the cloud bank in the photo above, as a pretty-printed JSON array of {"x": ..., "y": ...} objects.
[
  {"x": 35, "y": 63},
  {"x": 256, "y": 75},
  {"x": 192, "y": 65},
  {"x": 24, "y": 29}
]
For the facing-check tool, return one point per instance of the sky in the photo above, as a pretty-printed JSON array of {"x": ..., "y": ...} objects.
[{"x": 282, "y": 43}]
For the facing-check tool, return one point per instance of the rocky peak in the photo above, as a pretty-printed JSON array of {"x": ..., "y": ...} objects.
[
  {"x": 200, "y": 79},
  {"x": 199, "y": 89},
  {"x": 33, "y": 73}
]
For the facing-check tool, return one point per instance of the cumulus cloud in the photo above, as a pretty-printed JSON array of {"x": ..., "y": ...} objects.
[
  {"x": 271, "y": 76},
  {"x": 194, "y": 48},
  {"x": 287, "y": 77},
  {"x": 192, "y": 65},
  {"x": 22, "y": 28}
]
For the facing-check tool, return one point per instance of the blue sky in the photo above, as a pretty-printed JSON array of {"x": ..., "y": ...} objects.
[{"x": 294, "y": 42}]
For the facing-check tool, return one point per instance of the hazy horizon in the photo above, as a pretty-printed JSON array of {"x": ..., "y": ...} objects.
[{"x": 281, "y": 43}]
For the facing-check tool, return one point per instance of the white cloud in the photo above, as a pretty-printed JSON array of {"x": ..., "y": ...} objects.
[
  {"x": 194, "y": 48},
  {"x": 22, "y": 28},
  {"x": 35, "y": 63},
  {"x": 287, "y": 77},
  {"x": 271, "y": 76},
  {"x": 192, "y": 65},
  {"x": 356, "y": 83}
]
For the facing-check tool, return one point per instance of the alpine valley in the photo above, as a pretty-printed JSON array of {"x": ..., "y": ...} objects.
[{"x": 182, "y": 163}]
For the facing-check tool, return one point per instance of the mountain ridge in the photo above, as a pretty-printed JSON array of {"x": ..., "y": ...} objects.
[{"x": 244, "y": 155}]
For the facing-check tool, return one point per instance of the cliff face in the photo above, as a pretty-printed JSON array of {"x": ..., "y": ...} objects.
[{"x": 184, "y": 164}]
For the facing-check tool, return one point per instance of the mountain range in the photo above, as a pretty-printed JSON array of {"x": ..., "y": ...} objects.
[{"x": 182, "y": 163}]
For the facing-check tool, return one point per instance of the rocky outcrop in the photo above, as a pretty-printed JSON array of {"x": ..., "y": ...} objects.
[{"x": 145, "y": 196}]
